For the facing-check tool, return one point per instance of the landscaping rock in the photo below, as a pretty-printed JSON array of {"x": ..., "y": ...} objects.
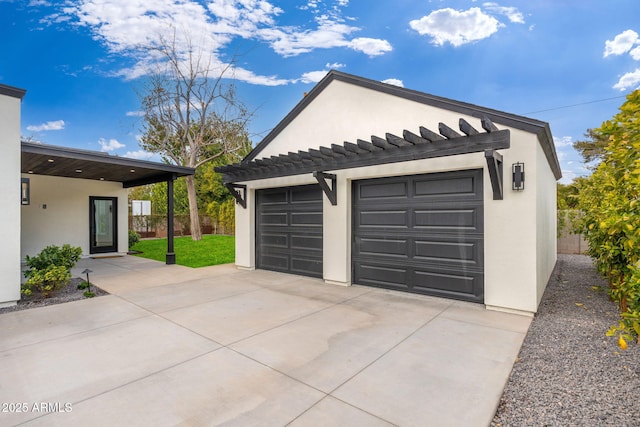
[
  {"x": 66, "y": 294},
  {"x": 568, "y": 372}
]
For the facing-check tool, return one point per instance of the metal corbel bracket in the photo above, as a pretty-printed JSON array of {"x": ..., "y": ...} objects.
[
  {"x": 240, "y": 196},
  {"x": 494, "y": 163},
  {"x": 330, "y": 192}
]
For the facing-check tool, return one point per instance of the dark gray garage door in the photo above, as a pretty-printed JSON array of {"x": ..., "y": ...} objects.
[
  {"x": 420, "y": 233},
  {"x": 289, "y": 230}
]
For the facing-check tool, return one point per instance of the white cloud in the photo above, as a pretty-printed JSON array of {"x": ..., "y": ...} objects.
[
  {"x": 313, "y": 76},
  {"x": 621, "y": 44},
  {"x": 53, "y": 125},
  {"x": 139, "y": 155},
  {"x": 455, "y": 27},
  {"x": 129, "y": 28},
  {"x": 371, "y": 47},
  {"x": 311, "y": 4},
  {"x": 395, "y": 82},
  {"x": 295, "y": 41},
  {"x": 629, "y": 80},
  {"x": 565, "y": 141},
  {"x": 135, "y": 113},
  {"x": 635, "y": 53},
  {"x": 316, "y": 76},
  {"x": 250, "y": 77},
  {"x": 568, "y": 176},
  {"x": 512, "y": 13},
  {"x": 111, "y": 145}
]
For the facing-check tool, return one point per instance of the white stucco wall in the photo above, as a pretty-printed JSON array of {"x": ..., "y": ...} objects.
[
  {"x": 547, "y": 224},
  {"x": 9, "y": 200},
  {"x": 66, "y": 217},
  {"x": 345, "y": 112},
  {"x": 519, "y": 239}
]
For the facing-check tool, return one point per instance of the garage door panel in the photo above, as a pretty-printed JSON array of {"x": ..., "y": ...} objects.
[
  {"x": 306, "y": 266},
  {"x": 449, "y": 187},
  {"x": 383, "y": 189},
  {"x": 271, "y": 198},
  {"x": 454, "y": 219},
  {"x": 289, "y": 230},
  {"x": 445, "y": 284},
  {"x": 383, "y": 246},
  {"x": 313, "y": 219},
  {"x": 272, "y": 218},
  {"x": 461, "y": 252},
  {"x": 302, "y": 195},
  {"x": 273, "y": 240},
  {"x": 386, "y": 276},
  {"x": 275, "y": 262},
  {"x": 428, "y": 240},
  {"x": 306, "y": 242},
  {"x": 384, "y": 218}
]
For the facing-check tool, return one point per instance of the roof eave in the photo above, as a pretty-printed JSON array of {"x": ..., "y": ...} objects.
[
  {"x": 12, "y": 91},
  {"x": 52, "y": 150}
]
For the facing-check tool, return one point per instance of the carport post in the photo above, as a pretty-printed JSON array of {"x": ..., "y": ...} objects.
[{"x": 171, "y": 256}]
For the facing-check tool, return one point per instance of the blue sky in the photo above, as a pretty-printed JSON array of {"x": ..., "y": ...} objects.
[{"x": 567, "y": 62}]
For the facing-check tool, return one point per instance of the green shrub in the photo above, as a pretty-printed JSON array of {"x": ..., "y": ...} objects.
[
  {"x": 610, "y": 201},
  {"x": 66, "y": 256},
  {"x": 50, "y": 270},
  {"x": 133, "y": 238}
]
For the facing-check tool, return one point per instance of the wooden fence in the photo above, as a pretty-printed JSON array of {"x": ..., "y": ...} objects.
[{"x": 156, "y": 226}]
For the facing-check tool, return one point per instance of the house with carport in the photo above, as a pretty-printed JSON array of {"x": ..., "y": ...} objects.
[
  {"x": 367, "y": 183},
  {"x": 55, "y": 195}
]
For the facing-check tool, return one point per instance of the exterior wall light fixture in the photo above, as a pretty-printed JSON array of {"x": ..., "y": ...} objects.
[
  {"x": 518, "y": 176},
  {"x": 25, "y": 191}
]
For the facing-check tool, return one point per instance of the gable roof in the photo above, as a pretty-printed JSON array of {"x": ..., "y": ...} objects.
[
  {"x": 41, "y": 159},
  {"x": 539, "y": 128}
]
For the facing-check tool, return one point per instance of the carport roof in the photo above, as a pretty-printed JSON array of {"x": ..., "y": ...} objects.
[{"x": 52, "y": 160}]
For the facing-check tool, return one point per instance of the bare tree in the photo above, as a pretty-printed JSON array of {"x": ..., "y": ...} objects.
[{"x": 191, "y": 113}]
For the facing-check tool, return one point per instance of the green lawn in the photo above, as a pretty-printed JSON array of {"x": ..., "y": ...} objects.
[{"x": 211, "y": 250}]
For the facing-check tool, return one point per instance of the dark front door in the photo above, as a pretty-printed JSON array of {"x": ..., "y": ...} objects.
[
  {"x": 420, "y": 233},
  {"x": 103, "y": 224},
  {"x": 289, "y": 230}
]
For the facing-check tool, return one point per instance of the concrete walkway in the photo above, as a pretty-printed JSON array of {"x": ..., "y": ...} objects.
[{"x": 220, "y": 346}]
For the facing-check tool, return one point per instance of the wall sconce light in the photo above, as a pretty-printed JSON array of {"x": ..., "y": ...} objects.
[
  {"x": 25, "y": 191},
  {"x": 518, "y": 176}
]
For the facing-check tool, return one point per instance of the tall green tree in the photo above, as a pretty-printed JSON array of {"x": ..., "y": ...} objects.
[
  {"x": 610, "y": 200},
  {"x": 593, "y": 147},
  {"x": 192, "y": 114}
]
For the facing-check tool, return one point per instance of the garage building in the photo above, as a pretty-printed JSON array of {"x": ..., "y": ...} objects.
[{"x": 372, "y": 184}]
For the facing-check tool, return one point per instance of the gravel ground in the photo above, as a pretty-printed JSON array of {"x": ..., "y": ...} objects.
[
  {"x": 66, "y": 294},
  {"x": 568, "y": 372}
]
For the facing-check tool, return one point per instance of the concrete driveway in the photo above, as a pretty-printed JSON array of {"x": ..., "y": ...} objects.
[{"x": 220, "y": 346}]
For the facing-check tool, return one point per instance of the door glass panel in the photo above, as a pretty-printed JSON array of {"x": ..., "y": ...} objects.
[{"x": 103, "y": 219}]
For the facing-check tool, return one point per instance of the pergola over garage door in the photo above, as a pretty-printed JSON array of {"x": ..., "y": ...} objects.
[
  {"x": 289, "y": 230},
  {"x": 420, "y": 233}
]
